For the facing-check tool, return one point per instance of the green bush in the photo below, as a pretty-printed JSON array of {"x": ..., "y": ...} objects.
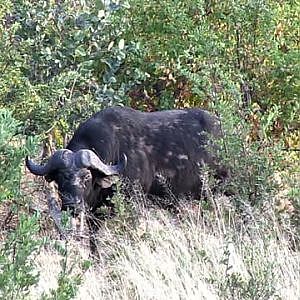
[
  {"x": 13, "y": 148},
  {"x": 21, "y": 245},
  {"x": 252, "y": 165},
  {"x": 192, "y": 50},
  {"x": 17, "y": 256},
  {"x": 59, "y": 62},
  {"x": 68, "y": 281}
]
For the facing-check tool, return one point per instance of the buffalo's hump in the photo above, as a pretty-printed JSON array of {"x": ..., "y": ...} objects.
[{"x": 169, "y": 144}]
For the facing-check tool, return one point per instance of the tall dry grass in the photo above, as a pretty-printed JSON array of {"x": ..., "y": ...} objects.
[{"x": 194, "y": 255}]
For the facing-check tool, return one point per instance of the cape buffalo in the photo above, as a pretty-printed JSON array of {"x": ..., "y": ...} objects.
[{"x": 154, "y": 148}]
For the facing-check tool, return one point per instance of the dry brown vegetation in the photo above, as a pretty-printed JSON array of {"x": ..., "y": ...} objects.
[{"x": 198, "y": 254}]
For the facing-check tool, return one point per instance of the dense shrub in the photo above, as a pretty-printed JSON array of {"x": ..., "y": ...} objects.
[
  {"x": 13, "y": 147},
  {"x": 197, "y": 50},
  {"x": 59, "y": 62},
  {"x": 17, "y": 256},
  {"x": 18, "y": 250}
]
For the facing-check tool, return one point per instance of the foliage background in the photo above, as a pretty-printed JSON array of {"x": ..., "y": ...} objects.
[{"x": 61, "y": 59}]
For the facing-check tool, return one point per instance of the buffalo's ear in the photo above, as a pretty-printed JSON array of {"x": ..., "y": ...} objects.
[{"x": 107, "y": 181}]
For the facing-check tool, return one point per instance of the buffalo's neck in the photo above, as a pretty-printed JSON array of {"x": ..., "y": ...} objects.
[
  {"x": 76, "y": 146},
  {"x": 102, "y": 147}
]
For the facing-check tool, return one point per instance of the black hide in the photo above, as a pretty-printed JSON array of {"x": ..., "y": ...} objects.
[{"x": 172, "y": 144}]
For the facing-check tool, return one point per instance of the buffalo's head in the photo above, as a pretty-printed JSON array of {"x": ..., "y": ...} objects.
[{"x": 78, "y": 175}]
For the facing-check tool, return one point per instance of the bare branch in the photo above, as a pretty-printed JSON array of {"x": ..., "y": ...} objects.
[{"x": 54, "y": 210}]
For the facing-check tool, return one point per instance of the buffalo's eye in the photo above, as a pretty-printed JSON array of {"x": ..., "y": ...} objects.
[{"x": 85, "y": 179}]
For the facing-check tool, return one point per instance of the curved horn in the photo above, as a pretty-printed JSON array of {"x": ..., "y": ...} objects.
[
  {"x": 88, "y": 159},
  {"x": 60, "y": 159}
]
